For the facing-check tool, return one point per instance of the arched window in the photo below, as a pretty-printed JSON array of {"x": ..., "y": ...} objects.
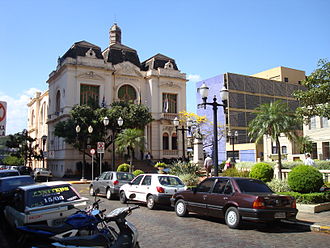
[
  {"x": 58, "y": 102},
  {"x": 127, "y": 93},
  {"x": 165, "y": 141},
  {"x": 174, "y": 141}
]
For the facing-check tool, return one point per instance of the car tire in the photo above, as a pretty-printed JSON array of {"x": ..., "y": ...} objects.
[
  {"x": 122, "y": 197},
  {"x": 181, "y": 208},
  {"x": 151, "y": 202},
  {"x": 232, "y": 218},
  {"x": 91, "y": 191},
  {"x": 109, "y": 195}
]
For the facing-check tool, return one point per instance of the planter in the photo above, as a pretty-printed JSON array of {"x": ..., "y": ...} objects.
[{"x": 313, "y": 208}]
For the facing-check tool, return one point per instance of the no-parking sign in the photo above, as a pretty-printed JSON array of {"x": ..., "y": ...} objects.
[
  {"x": 100, "y": 147},
  {"x": 3, "y": 115}
]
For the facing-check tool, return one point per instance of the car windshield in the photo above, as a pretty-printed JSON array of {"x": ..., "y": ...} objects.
[
  {"x": 48, "y": 195},
  {"x": 170, "y": 181},
  {"x": 8, "y": 184},
  {"x": 125, "y": 176},
  {"x": 9, "y": 173},
  {"x": 251, "y": 185}
]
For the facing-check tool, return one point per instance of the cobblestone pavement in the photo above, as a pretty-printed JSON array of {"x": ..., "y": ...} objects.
[{"x": 163, "y": 229}]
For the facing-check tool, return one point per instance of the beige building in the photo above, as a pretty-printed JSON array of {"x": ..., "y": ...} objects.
[
  {"x": 318, "y": 130},
  {"x": 115, "y": 74},
  {"x": 37, "y": 125},
  {"x": 288, "y": 148}
]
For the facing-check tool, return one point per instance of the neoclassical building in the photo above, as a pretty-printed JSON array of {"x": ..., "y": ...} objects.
[{"x": 115, "y": 74}]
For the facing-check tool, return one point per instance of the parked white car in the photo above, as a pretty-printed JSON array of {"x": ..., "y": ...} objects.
[{"x": 152, "y": 189}]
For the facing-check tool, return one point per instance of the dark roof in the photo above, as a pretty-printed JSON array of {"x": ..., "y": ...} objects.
[
  {"x": 118, "y": 53},
  {"x": 156, "y": 61},
  {"x": 80, "y": 48}
]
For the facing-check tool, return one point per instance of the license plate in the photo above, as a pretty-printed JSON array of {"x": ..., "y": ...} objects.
[
  {"x": 279, "y": 215},
  {"x": 58, "y": 222}
]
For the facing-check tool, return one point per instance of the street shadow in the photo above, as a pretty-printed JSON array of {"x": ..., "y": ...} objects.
[{"x": 277, "y": 227}]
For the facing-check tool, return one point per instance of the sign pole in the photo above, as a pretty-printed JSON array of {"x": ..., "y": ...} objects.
[
  {"x": 100, "y": 164},
  {"x": 92, "y": 166}
]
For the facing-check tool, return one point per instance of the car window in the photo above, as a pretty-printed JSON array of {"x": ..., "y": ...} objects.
[
  {"x": 9, "y": 173},
  {"x": 228, "y": 189},
  {"x": 125, "y": 176},
  {"x": 49, "y": 195},
  {"x": 219, "y": 186},
  {"x": 205, "y": 186},
  {"x": 102, "y": 176},
  {"x": 170, "y": 181},
  {"x": 137, "y": 180},
  {"x": 252, "y": 185},
  {"x": 146, "y": 180},
  {"x": 111, "y": 176},
  {"x": 107, "y": 176}
]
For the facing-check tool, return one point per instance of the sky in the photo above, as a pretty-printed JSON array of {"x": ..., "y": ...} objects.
[{"x": 205, "y": 37}]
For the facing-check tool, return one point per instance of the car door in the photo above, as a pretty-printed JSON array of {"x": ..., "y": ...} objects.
[
  {"x": 197, "y": 201},
  {"x": 134, "y": 187},
  {"x": 104, "y": 182},
  {"x": 218, "y": 198},
  {"x": 144, "y": 188},
  {"x": 97, "y": 183}
]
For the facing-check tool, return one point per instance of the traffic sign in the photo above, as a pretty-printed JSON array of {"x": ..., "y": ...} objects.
[
  {"x": 100, "y": 147},
  {"x": 92, "y": 151}
]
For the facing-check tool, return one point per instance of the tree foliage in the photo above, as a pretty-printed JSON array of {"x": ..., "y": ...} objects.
[
  {"x": 273, "y": 119},
  {"x": 305, "y": 145},
  {"x": 315, "y": 100}
]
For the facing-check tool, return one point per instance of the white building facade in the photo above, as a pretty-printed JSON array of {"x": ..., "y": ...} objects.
[{"x": 115, "y": 74}]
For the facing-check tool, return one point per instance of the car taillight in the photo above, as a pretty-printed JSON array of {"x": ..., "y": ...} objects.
[
  {"x": 160, "y": 189},
  {"x": 115, "y": 182},
  {"x": 259, "y": 203},
  {"x": 293, "y": 204}
]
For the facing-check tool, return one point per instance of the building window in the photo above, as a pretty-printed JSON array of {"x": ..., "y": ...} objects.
[
  {"x": 274, "y": 149},
  {"x": 58, "y": 102},
  {"x": 286, "y": 79},
  {"x": 312, "y": 123},
  {"x": 326, "y": 150},
  {"x": 314, "y": 151},
  {"x": 127, "y": 93},
  {"x": 89, "y": 95},
  {"x": 165, "y": 141},
  {"x": 324, "y": 122},
  {"x": 284, "y": 150},
  {"x": 174, "y": 141},
  {"x": 169, "y": 103}
]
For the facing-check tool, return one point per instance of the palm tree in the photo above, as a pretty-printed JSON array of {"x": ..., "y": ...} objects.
[
  {"x": 129, "y": 139},
  {"x": 304, "y": 143},
  {"x": 273, "y": 119}
]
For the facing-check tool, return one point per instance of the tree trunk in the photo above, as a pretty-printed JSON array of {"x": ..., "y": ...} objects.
[
  {"x": 278, "y": 145},
  {"x": 131, "y": 160}
]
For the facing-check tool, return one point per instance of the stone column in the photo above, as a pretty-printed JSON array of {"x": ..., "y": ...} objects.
[{"x": 198, "y": 151}]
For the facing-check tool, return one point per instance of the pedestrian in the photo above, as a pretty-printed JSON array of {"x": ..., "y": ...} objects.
[
  {"x": 208, "y": 164},
  {"x": 148, "y": 158},
  {"x": 309, "y": 160}
]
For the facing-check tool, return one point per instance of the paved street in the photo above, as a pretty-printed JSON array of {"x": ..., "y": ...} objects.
[{"x": 162, "y": 229}]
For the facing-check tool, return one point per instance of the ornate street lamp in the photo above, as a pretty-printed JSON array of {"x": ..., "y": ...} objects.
[
  {"x": 176, "y": 123},
  {"x": 203, "y": 91},
  {"x": 44, "y": 139}
]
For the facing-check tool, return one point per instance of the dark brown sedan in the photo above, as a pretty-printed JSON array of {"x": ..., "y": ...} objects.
[{"x": 234, "y": 199}]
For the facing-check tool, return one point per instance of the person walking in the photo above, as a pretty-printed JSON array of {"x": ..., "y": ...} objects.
[
  {"x": 309, "y": 160},
  {"x": 208, "y": 164}
]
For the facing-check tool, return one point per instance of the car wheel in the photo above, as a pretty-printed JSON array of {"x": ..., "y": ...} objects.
[
  {"x": 151, "y": 202},
  {"x": 108, "y": 194},
  {"x": 91, "y": 191},
  {"x": 232, "y": 218},
  {"x": 122, "y": 197},
  {"x": 181, "y": 208}
]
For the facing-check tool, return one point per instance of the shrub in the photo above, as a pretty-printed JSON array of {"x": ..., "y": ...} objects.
[
  {"x": 279, "y": 185},
  {"x": 309, "y": 198},
  {"x": 180, "y": 168},
  {"x": 233, "y": 172},
  {"x": 262, "y": 171},
  {"x": 322, "y": 164},
  {"x": 123, "y": 167},
  {"x": 138, "y": 172},
  {"x": 189, "y": 179},
  {"x": 12, "y": 160},
  {"x": 305, "y": 179},
  {"x": 161, "y": 164}
]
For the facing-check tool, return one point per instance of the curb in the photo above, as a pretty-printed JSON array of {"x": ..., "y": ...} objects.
[
  {"x": 80, "y": 182},
  {"x": 310, "y": 226}
]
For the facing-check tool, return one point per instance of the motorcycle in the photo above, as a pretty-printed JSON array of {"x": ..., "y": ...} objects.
[{"x": 107, "y": 237}]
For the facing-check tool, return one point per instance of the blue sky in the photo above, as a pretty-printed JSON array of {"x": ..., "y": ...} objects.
[{"x": 206, "y": 38}]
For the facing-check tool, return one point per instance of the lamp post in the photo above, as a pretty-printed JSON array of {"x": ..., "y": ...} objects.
[
  {"x": 120, "y": 122},
  {"x": 204, "y": 90},
  {"x": 232, "y": 138},
  {"x": 176, "y": 123},
  {"x": 90, "y": 130},
  {"x": 44, "y": 139}
]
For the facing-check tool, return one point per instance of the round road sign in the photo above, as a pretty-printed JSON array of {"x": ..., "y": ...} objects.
[{"x": 92, "y": 151}]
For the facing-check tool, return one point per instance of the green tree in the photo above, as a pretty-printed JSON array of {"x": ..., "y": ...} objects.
[
  {"x": 304, "y": 143},
  {"x": 12, "y": 160},
  {"x": 315, "y": 100},
  {"x": 130, "y": 139},
  {"x": 273, "y": 119}
]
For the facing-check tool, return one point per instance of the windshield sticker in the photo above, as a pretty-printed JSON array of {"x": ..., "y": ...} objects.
[{"x": 50, "y": 192}]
